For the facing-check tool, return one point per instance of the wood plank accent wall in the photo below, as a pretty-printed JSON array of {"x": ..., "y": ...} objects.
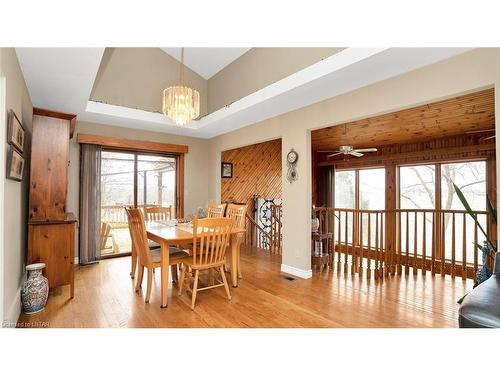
[
  {"x": 445, "y": 118},
  {"x": 256, "y": 171}
]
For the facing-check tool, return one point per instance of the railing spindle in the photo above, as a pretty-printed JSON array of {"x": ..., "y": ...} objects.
[
  {"x": 407, "y": 238},
  {"x": 369, "y": 267},
  {"x": 415, "y": 237},
  {"x": 452, "y": 270},
  {"x": 361, "y": 252},
  {"x": 464, "y": 247},
  {"x": 424, "y": 245},
  {"x": 346, "y": 243},
  {"x": 400, "y": 245},
  {"x": 433, "y": 244},
  {"x": 377, "y": 255},
  {"x": 339, "y": 250},
  {"x": 384, "y": 267},
  {"x": 443, "y": 244},
  {"x": 353, "y": 244}
]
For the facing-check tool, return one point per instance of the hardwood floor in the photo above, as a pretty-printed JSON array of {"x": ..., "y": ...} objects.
[{"x": 105, "y": 297}]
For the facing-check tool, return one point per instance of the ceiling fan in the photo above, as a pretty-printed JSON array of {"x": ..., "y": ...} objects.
[
  {"x": 349, "y": 150},
  {"x": 483, "y": 131}
]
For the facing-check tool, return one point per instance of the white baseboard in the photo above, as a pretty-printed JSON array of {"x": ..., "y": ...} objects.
[
  {"x": 303, "y": 274},
  {"x": 12, "y": 316}
]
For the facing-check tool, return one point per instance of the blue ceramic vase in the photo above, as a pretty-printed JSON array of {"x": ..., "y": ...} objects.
[{"x": 35, "y": 289}]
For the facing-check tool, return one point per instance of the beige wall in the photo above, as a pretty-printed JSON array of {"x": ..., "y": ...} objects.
[
  {"x": 195, "y": 165},
  {"x": 136, "y": 78},
  {"x": 15, "y": 193},
  {"x": 467, "y": 72},
  {"x": 258, "y": 68}
]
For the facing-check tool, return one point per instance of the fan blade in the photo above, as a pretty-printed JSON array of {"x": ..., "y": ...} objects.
[
  {"x": 355, "y": 153},
  {"x": 337, "y": 153},
  {"x": 330, "y": 151},
  {"x": 491, "y": 137},
  {"x": 365, "y": 150}
]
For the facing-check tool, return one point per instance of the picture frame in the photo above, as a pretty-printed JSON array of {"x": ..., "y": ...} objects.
[
  {"x": 226, "y": 170},
  {"x": 15, "y": 132},
  {"x": 15, "y": 165}
]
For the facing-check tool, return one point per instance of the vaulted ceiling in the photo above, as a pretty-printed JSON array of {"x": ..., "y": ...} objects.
[
  {"x": 206, "y": 61},
  {"x": 123, "y": 86}
]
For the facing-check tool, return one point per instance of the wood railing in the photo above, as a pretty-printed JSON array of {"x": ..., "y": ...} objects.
[
  {"x": 116, "y": 216},
  {"x": 255, "y": 235},
  {"x": 389, "y": 242},
  {"x": 276, "y": 228}
]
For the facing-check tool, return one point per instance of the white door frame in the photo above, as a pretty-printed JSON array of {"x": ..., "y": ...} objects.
[{"x": 3, "y": 126}]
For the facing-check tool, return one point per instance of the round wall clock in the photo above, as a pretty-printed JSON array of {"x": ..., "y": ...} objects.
[
  {"x": 291, "y": 160},
  {"x": 292, "y": 157}
]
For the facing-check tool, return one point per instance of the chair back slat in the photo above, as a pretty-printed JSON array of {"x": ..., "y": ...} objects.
[
  {"x": 215, "y": 210},
  {"x": 210, "y": 240},
  {"x": 238, "y": 212},
  {"x": 159, "y": 213},
  {"x": 139, "y": 236}
]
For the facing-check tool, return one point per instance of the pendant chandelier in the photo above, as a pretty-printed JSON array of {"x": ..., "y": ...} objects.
[{"x": 181, "y": 103}]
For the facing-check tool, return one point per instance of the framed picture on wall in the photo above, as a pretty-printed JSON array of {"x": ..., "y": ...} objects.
[
  {"x": 15, "y": 165},
  {"x": 15, "y": 132},
  {"x": 227, "y": 170}
]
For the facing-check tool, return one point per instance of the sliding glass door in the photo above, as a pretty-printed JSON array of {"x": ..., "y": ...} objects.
[
  {"x": 132, "y": 179},
  {"x": 156, "y": 177}
]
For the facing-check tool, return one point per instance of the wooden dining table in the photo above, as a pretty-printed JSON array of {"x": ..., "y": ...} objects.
[{"x": 167, "y": 235}]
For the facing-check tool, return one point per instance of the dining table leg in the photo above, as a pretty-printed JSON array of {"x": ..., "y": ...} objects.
[
  {"x": 164, "y": 252},
  {"x": 234, "y": 261}
]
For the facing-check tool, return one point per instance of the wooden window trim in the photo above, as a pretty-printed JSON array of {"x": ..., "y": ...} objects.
[{"x": 132, "y": 145}]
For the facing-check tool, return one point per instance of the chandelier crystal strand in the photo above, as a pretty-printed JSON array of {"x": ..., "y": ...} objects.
[{"x": 181, "y": 103}]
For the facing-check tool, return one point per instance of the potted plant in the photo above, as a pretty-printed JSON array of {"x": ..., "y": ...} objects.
[{"x": 488, "y": 247}]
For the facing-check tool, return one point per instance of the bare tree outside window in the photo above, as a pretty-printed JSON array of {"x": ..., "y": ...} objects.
[{"x": 418, "y": 189}]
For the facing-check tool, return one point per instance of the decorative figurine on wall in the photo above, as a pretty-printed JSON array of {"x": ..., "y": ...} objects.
[{"x": 291, "y": 161}]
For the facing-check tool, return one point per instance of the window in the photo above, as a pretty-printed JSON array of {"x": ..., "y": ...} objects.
[
  {"x": 372, "y": 189},
  {"x": 470, "y": 177},
  {"x": 345, "y": 186},
  {"x": 418, "y": 190},
  {"x": 417, "y": 186},
  {"x": 133, "y": 179},
  {"x": 367, "y": 185},
  {"x": 156, "y": 181},
  {"x": 360, "y": 189}
]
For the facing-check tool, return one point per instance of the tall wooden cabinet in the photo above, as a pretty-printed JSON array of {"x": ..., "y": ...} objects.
[{"x": 51, "y": 229}]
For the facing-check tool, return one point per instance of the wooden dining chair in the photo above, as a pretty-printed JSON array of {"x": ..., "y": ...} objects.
[
  {"x": 158, "y": 213},
  {"x": 133, "y": 254},
  {"x": 209, "y": 249},
  {"x": 215, "y": 210},
  {"x": 238, "y": 212},
  {"x": 146, "y": 257}
]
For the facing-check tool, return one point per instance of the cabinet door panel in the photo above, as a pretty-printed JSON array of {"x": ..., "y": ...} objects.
[
  {"x": 53, "y": 245},
  {"x": 49, "y": 168}
]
